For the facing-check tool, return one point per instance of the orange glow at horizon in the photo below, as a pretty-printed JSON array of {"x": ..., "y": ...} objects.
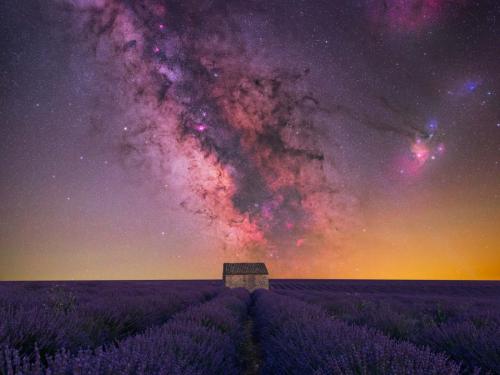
[{"x": 433, "y": 243}]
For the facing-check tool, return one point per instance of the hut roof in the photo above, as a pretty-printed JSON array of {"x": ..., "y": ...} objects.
[{"x": 245, "y": 269}]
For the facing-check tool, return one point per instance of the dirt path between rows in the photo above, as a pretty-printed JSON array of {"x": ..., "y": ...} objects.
[{"x": 250, "y": 351}]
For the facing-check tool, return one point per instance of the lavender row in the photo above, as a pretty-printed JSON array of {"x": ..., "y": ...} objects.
[
  {"x": 201, "y": 340},
  {"x": 458, "y": 288},
  {"x": 299, "y": 338},
  {"x": 417, "y": 308},
  {"x": 75, "y": 316},
  {"x": 467, "y": 329}
]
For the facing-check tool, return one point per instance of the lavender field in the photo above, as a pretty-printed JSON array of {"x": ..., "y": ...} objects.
[{"x": 298, "y": 327}]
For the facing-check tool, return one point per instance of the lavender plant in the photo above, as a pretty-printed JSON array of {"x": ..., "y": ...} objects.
[
  {"x": 79, "y": 316},
  {"x": 299, "y": 338},
  {"x": 202, "y": 340},
  {"x": 465, "y": 327}
]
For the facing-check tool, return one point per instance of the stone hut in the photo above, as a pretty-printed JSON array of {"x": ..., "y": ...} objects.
[{"x": 246, "y": 275}]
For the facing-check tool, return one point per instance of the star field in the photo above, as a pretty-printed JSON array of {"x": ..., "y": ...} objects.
[{"x": 355, "y": 139}]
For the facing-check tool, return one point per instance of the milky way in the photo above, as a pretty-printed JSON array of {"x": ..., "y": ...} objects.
[{"x": 239, "y": 140}]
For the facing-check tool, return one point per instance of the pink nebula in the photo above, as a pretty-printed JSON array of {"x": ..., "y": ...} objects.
[
  {"x": 201, "y": 127},
  {"x": 410, "y": 15}
]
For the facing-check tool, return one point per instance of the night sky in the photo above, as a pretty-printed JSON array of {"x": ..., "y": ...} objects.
[{"x": 329, "y": 139}]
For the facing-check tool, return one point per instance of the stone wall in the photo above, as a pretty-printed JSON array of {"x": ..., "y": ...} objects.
[{"x": 251, "y": 282}]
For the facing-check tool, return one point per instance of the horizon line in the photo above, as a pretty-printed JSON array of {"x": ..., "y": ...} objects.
[{"x": 275, "y": 279}]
